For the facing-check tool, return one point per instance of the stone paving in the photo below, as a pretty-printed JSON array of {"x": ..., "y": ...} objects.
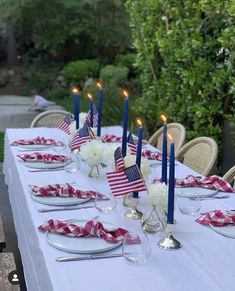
[{"x": 14, "y": 111}]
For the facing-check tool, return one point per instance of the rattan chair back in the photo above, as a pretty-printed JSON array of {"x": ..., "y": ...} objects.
[
  {"x": 49, "y": 118},
  {"x": 176, "y": 130},
  {"x": 199, "y": 154},
  {"x": 230, "y": 176}
]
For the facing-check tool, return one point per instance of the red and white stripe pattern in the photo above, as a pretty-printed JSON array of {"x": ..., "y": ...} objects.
[
  {"x": 65, "y": 190},
  {"x": 217, "y": 218},
  {"x": 82, "y": 136},
  {"x": 45, "y": 158},
  {"x": 131, "y": 144},
  {"x": 111, "y": 138},
  {"x": 65, "y": 123},
  {"x": 37, "y": 141},
  {"x": 95, "y": 117},
  {"x": 119, "y": 161},
  {"x": 212, "y": 182},
  {"x": 91, "y": 228},
  {"x": 151, "y": 155},
  {"x": 128, "y": 180}
]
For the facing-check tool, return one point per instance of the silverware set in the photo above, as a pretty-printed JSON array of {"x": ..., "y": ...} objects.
[
  {"x": 65, "y": 208},
  {"x": 87, "y": 257}
]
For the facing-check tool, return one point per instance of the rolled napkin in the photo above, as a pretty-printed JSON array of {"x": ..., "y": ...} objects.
[
  {"x": 151, "y": 155},
  {"x": 91, "y": 228},
  {"x": 64, "y": 190},
  {"x": 115, "y": 138},
  {"x": 37, "y": 141},
  {"x": 46, "y": 158},
  {"x": 212, "y": 182},
  {"x": 217, "y": 218}
]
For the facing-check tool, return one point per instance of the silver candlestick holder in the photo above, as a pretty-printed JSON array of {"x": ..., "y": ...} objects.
[{"x": 169, "y": 242}]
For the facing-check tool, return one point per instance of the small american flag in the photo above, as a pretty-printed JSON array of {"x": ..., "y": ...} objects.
[
  {"x": 126, "y": 181},
  {"x": 82, "y": 136},
  {"x": 65, "y": 123},
  {"x": 119, "y": 161},
  {"x": 95, "y": 117},
  {"x": 131, "y": 144}
]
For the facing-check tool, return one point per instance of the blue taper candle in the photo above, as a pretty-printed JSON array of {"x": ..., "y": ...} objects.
[
  {"x": 91, "y": 109},
  {"x": 164, "y": 154},
  {"x": 139, "y": 150},
  {"x": 100, "y": 99},
  {"x": 171, "y": 187},
  {"x": 125, "y": 124},
  {"x": 76, "y": 107}
]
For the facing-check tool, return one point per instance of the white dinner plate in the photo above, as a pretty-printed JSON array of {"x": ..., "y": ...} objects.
[
  {"x": 194, "y": 192},
  {"x": 58, "y": 201},
  {"x": 36, "y": 146},
  {"x": 42, "y": 165},
  {"x": 228, "y": 230},
  {"x": 81, "y": 245}
]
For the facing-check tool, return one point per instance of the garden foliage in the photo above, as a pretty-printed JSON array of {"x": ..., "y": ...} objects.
[{"x": 186, "y": 56}]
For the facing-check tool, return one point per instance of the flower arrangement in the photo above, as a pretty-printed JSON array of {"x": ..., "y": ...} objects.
[
  {"x": 145, "y": 168},
  {"x": 108, "y": 154},
  {"x": 158, "y": 195},
  {"x": 92, "y": 152}
]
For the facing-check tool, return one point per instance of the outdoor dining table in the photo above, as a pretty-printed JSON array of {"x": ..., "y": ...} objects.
[{"x": 205, "y": 261}]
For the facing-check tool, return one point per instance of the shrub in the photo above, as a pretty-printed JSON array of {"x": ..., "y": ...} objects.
[
  {"x": 186, "y": 59},
  {"x": 77, "y": 71},
  {"x": 128, "y": 61},
  {"x": 111, "y": 74}
]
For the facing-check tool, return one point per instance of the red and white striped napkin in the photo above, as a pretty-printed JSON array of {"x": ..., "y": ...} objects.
[
  {"x": 115, "y": 138},
  {"x": 46, "y": 158},
  {"x": 65, "y": 190},
  {"x": 211, "y": 182},
  {"x": 91, "y": 228},
  {"x": 37, "y": 141},
  {"x": 217, "y": 218},
  {"x": 151, "y": 155}
]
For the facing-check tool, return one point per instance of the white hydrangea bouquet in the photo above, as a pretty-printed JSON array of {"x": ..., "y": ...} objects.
[
  {"x": 92, "y": 153},
  {"x": 158, "y": 195}
]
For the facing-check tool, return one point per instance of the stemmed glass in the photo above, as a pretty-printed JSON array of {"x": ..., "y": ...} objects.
[{"x": 106, "y": 204}]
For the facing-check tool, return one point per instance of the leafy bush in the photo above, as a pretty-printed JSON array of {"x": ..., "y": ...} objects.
[
  {"x": 186, "y": 57},
  {"x": 128, "y": 61},
  {"x": 111, "y": 74},
  {"x": 76, "y": 72}
]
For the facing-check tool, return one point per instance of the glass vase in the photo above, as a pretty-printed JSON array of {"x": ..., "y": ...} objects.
[
  {"x": 94, "y": 171},
  {"x": 153, "y": 222}
]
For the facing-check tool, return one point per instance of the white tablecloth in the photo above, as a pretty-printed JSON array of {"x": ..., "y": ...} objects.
[{"x": 205, "y": 262}]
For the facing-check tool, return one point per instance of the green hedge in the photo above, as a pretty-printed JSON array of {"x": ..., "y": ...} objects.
[{"x": 186, "y": 53}]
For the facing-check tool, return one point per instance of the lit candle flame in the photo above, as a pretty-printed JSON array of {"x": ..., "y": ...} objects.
[
  {"x": 139, "y": 122},
  {"x": 75, "y": 90},
  {"x": 99, "y": 85},
  {"x": 163, "y": 118},
  {"x": 170, "y": 137},
  {"x": 125, "y": 93},
  {"x": 89, "y": 96}
]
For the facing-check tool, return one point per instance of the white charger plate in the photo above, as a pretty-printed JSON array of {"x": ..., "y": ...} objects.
[
  {"x": 36, "y": 146},
  {"x": 42, "y": 165},
  {"x": 58, "y": 201},
  {"x": 228, "y": 230},
  {"x": 81, "y": 245},
  {"x": 193, "y": 192}
]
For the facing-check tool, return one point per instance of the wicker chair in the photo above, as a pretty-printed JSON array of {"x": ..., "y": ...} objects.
[
  {"x": 200, "y": 154},
  {"x": 49, "y": 118},
  {"x": 176, "y": 130},
  {"x": 230, "y": 176}
]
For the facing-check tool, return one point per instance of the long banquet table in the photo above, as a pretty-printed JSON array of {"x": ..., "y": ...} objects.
[{"x": 205, "y": 262}]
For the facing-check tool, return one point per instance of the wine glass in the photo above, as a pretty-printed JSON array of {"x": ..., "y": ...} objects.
[
  {"x": 189, "y": 205},
  {"x": 75, "y": 163},
  {"x": 136, "y": 248},
  {"x": 106, "y": 204}
]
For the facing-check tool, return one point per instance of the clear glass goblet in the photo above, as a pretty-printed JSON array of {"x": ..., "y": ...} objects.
[
  {"x": 75, "y": 163},
  {"x": 189, "y": 205}
]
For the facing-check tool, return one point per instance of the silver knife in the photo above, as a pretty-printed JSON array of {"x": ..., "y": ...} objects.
[
  {"x": 47, "y": 170},
  {"x": 87, "y": 257},
  {"x": 64, "y": 208}
]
